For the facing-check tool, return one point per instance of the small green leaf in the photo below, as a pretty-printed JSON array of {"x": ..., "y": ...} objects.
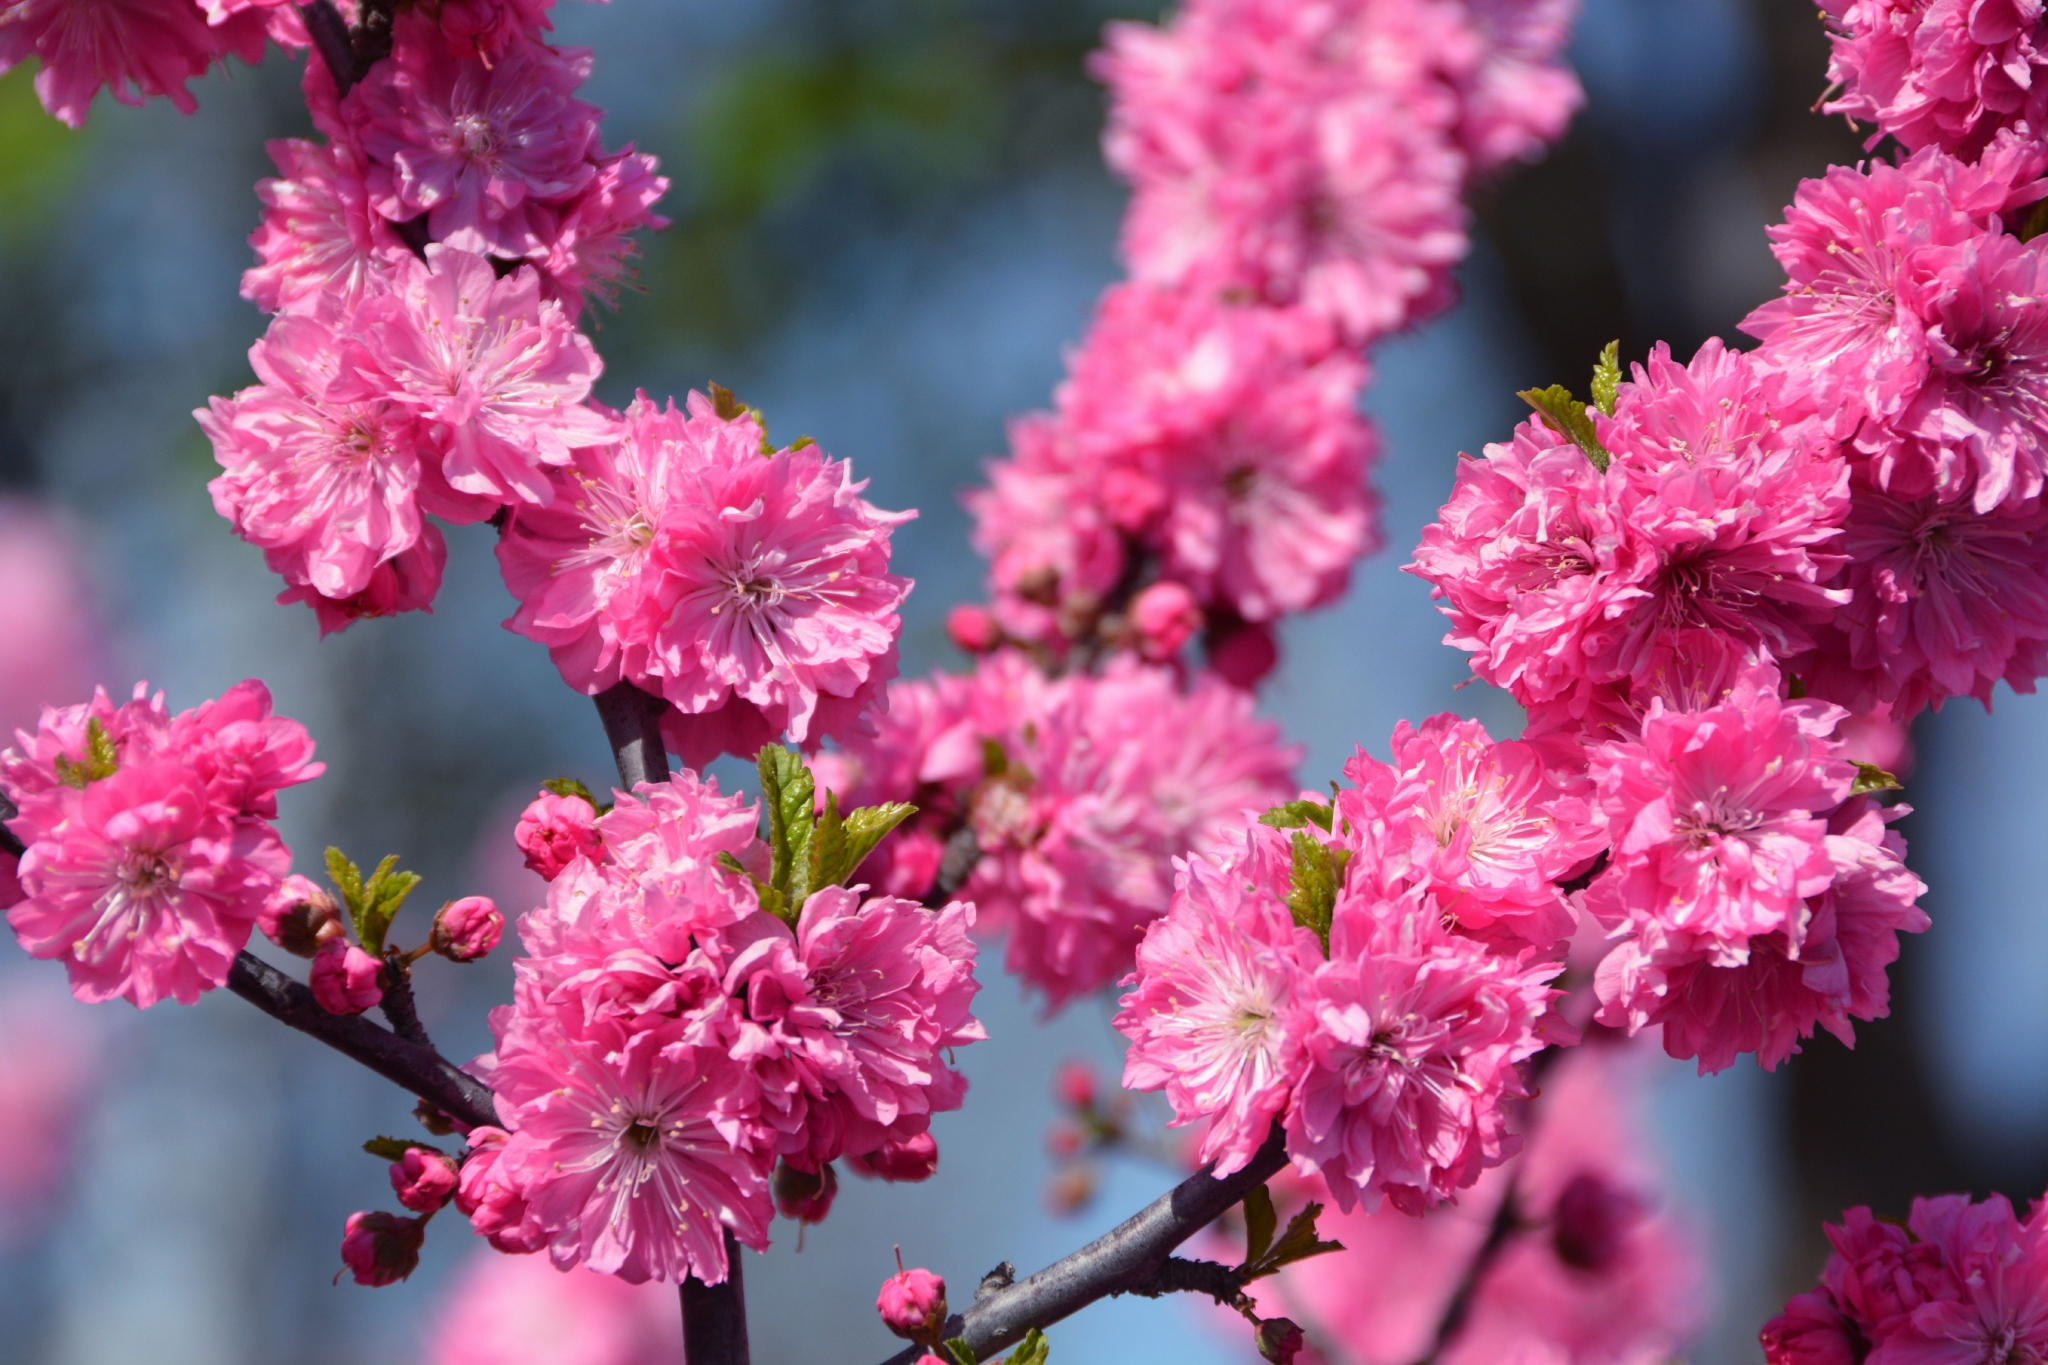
[
  {"x": 828, "y": 846},
  {"x": 1871, "y": 778},
  {"x": 789, "y": 795},
  {"x": 961, "y": 1350},
  {"x": 100, "y": 759},
  {"x": 866, "y": 828},
  {"x": 1312, "y": 893},
  {"x": 995, "y": 759},
  {"x": 1295, "y": 814},
  {"x": 725, "y": 405},
  {"x": 1567, "y": 415},
  {"x": 1259, "y": 1221},
  {"x": 1607, "y": 378},
  {"x": 394, "y": 1149},
  {"x": 2035, "y": 223},
  {"x": 1030, "y": 1351},
  {"x": 569, "y": 786},
  {"x": 1298, "y": 1243},
  {"x": 348, "y": 880},
  {"x": 372, "y": 903}
]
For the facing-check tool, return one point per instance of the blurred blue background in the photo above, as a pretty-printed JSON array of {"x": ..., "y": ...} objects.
[{"x": 890, "y": 218}]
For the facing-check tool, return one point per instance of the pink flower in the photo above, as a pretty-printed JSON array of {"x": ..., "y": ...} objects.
[
  {"x": 1406, "y": 1051},
  {"x": 776, "y": 611},
  {"x": 556, "y": 830},
  {"x": 1047, "y": 531},
  {"x": 633, "y": 1150},
  {"x": 482, "y": 28},
  {"x": 345, "y": 979},
  {"x": 494, "y": 1208},
  {"x": 1519, "y": 95},
  {"x": 805, "y": 1196},
  {"x": 322, "y": 250},
  {"x": 1809, "y": 1332},
  {"x": 972, "y": 629},
  {"x": 243, "y": 752},
  {"x": 1213, "y": 1020},
  {"x": 583, "y": 565},
  {"x": 1075, "y": 1085},
  {"x": 515, "y": 1310},
  {"x": 475, "y": 146},
  {"x": 1483, "y": 822},
  {"x": 131, "y": 48},
  {"x": 859, "y": 1007},
  {"x": 407, "y": 582},
  {"x": 467, "y": 929},
  {"x": 1246, "y": 421},
  {"x": 423, "y": 1180},
  {"x": 905, "y": 1161},
  {"x": 592, "y": 244},
  {"x": 913, "y": 1304},
  {"x": 502, "y": 372},
  {"x": 300, "y": 916},
  {"x": 380, "y": 1249},
  {"x": 664, "y": 863},
  {"x": 142, "y": 884},
  {"x": 1946, "y": 73},
  {"x": 1164, "y": 617}
]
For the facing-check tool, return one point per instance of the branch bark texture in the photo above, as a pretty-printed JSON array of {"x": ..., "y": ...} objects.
[
  {"x": 632, "y": 722},
  {"x": 1127, "y": 1259},
  {"x": 420, "y": 1069}
]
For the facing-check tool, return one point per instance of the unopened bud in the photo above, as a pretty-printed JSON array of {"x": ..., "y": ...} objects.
[
  {"x": 555, "y": 831},
  {"x": 1064, "y": 1140},
  {"x": 467, "y": 929},
  {"x": 1279, "y": 1340},
  {"x": 973, "y": 628},
  {"x": 435, "y": 1121},
  {"x": 1243, "y": 653},
  {"x": 345, "y": 978},
  {"x": 901, "y": 1163},
  {"x": 1074, "y": 1085},
  {"x": 424, "y": 1180},
  {"x": 381, "y": 1248},
  {"x": 300, "y": 916},
  {"x": 805, "y": 1196},
  {"x": 913, "y": 1305},
  {"x": 1164, "y": 617},
  {"x": 1591, "y": 1221}
]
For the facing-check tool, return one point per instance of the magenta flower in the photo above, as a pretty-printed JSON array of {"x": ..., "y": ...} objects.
[
  {"x": 556, "y": 830},
  {"x": 1939, "y": 73},
  {"x": 501, "y": 371},
  {"x": 913, "y": 1304},
  {"x": 142, "y": 885},
  {"x": 1213, "y": 1020},
  {"x": 423, "y": 1180},
  {"x": 243, "y": 752},
  {"x": 663, "y": 852},
  {"x": 632, "y": 1149},
  {"x": 322, "y": 250},
  {"x": 478, "y": 147},
  {"x": 775, "y": 611},
  {"x": 907, "y": 1161},
  {"x": 380, "y": 1249},
  {"x": 405, "y": 582},
  {"x": 467, "y": 929},
  {"x": 131, "y": 48},
  {"x": 345, "y": 979},
  {"x": 486, "y": 1197},
  {"x": 592, "y": 245},
  {"x": 1518, "y": 94}
]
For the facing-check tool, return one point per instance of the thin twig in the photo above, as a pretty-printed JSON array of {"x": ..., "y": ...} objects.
[
  {"x": 1119, "y": 1262},
  {"x": 421, "y": 1070}
]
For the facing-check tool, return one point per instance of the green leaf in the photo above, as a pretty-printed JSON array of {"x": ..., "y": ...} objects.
[
  {"x": 1607, "y": 378},
  {"x": 995, "y": 759},
  {"x": 789, "y": 795},
  {"x": 1871, "y": 778},
  {"x": 725, "y": 405},
  {"x": 1259, "y": 1221},
  {"x": 1030, "y": 1351},
  {"x": 866, "y": 828},
  {"x": 100, "y": 759},
  {"x": 1567, "y": 415},
  {"x": 2035, "y": 223},
  {"x": 1298, "y": 1243},
  {"x": 569, "y": 786},
  {"x": 1295, "y": 814},
  {"x": 1312, "y": 893},
  {"x": 961, "y": 1350},
  {"x": 348, "y": 880},
  {"x": 828, "y": 846},
  {"x": 394, "y": 1149}
]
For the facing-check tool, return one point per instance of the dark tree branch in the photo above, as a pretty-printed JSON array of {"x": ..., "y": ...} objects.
[
  {"x": 1506, "y": 1222},
  {"x": 956, "y": 865},
  {"x": 329, "y": 32},
  {"x": 1180, "y": 1276},
  {"x": 397, "y": 1003},
  {"x": 421, "y": 1070},
  {"x": 715, "y": 1315},
  {"x": 1122, "y": 1261},
  {"x": 632, "y": 722}
]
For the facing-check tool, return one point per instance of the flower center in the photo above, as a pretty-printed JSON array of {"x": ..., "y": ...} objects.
[
  {"x": 641, "y": 1135},
  {"x": 475, "y": 138}
]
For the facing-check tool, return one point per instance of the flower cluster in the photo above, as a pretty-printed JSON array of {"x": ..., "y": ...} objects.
[
  {"x": 151, "y": 851},
  {"x": 1078, "y": 793},
  {"x": 1297, "y": 173},
  {"x": 1961, "y": 1281},
  {"x": 671, "y": 1037},
  {"x": 1939, "y": 73}
]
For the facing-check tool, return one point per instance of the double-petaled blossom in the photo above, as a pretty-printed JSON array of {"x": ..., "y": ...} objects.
[
  {"x": 1960, "y": 1283},
  {"x": 1750, "y": 899},
  {"x": 1940, "y": 73},
  {"x": 320, "y": 248},
  {"x": 130, "y": 48},
  {"x": 150, "y": 853},
  {"x": 555, "y": 830}
]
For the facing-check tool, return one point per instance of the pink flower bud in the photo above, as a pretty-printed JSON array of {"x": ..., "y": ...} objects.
[
  {"x": 424, "y": 1180},
  {"x": 973, "y": 628},
  {"x": 904, "y": 1162},
  {"x": 913, "y": 1305},
  {"x": 1064, "y": 1140},
  {"x": 1165, "y": 617},
  {"x": 1074, "y": 1086},
  {"x": 467, "y": 929},
  {"x": 914, "y": 856},
  {"x": 345, "y": 978},
  {"x": 1279, "y": 1340},
  {"x": 1591, "y": 1221},
  {"x": 381, "y": 1248},
  {"x": 300, "y": 916},
  {"x": 494, "y": 1208},
  {"x": 1131, "y": 498},
  {"x": 555, "y": 830},
  {"x": 805, "y": 1196},
  {"x": 1243, "y": 654}
]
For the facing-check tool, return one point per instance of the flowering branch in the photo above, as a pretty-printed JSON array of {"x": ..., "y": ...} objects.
[
  {"x": 1128, "y": 1259},
  {"x": 419, "y": 1069}
]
